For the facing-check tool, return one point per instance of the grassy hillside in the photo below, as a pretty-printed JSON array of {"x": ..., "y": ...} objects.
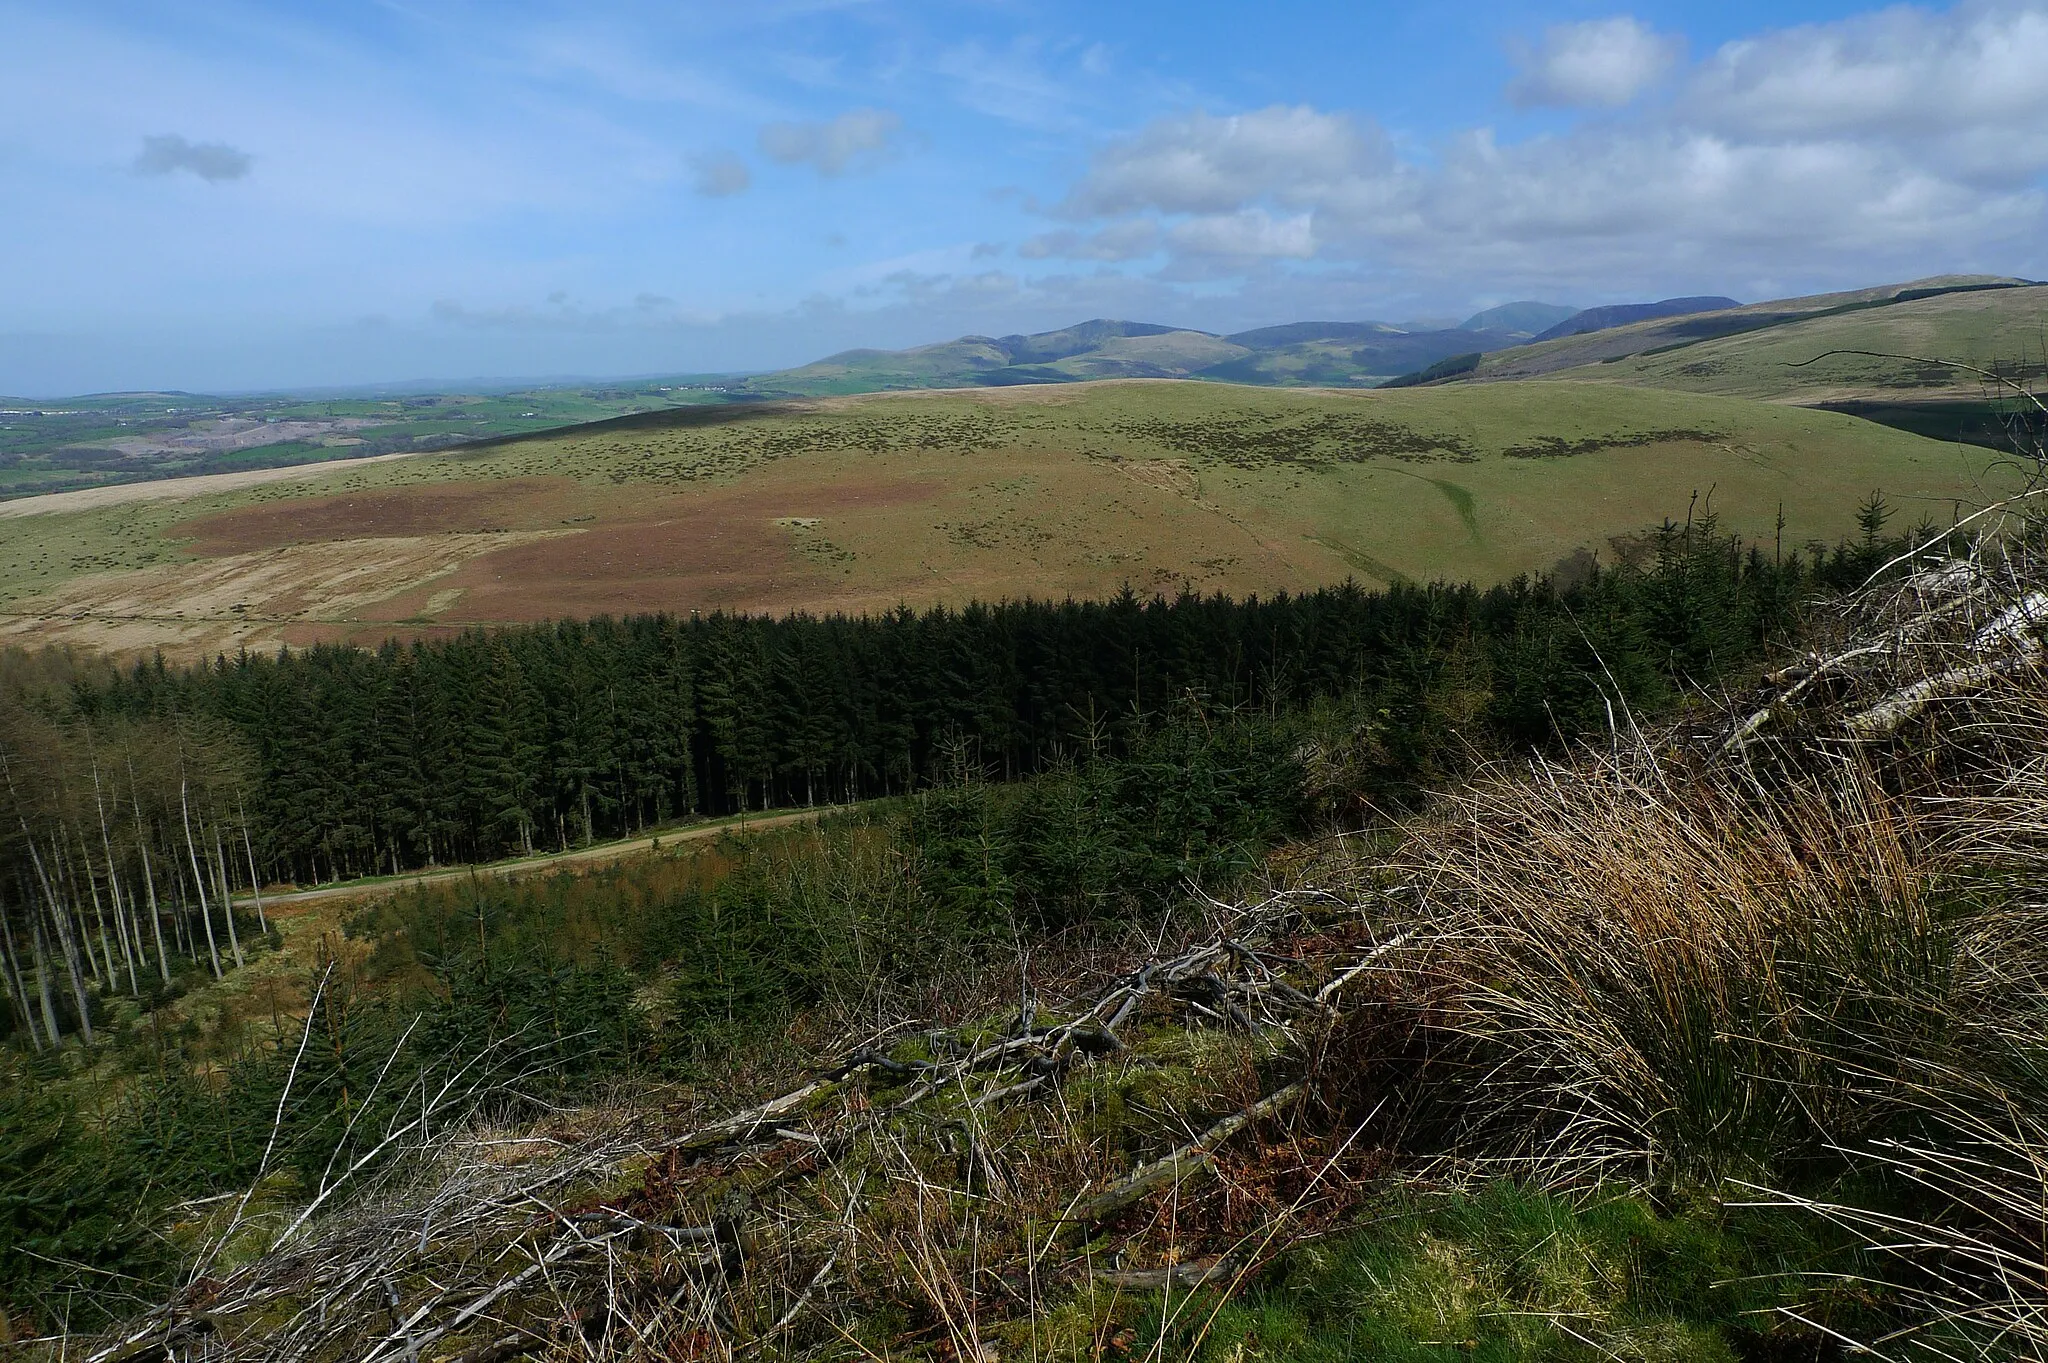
[
  {"x": 864, "y": 503},
  {"x": 1600, "y": 347},
  {"x": 1299, "y": 354},
  {"x": 2005, "y": 329},
  {"x": 50, "y": 446},
  {"x": 1627, "y": 314}
]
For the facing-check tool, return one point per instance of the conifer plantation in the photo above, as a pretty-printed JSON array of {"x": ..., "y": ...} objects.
[
  {"x": 1075, "y": 765},
  {"x": 506, "y": 742}
]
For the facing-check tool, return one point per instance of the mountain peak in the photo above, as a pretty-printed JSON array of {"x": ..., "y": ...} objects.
[
  {"x": 1519, "y": 319},
  {"x": 1621, "y": 314}
]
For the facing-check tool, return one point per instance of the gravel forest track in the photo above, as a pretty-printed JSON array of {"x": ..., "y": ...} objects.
[{"x": 507, "y": 870}]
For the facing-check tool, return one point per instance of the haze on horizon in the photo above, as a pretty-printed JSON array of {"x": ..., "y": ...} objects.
[{"x": 235, "y": 197}]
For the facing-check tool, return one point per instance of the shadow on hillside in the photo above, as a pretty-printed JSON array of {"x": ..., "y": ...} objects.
[{"x": 726, "y": 413}]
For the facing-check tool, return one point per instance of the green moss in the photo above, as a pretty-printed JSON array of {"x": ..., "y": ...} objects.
[{"x": 1510, "y": 1273}]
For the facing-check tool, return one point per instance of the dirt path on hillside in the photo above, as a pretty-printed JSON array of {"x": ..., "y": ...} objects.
[
  {"x": 506, "y": 870},
  {"x": 199, "y": 485}
]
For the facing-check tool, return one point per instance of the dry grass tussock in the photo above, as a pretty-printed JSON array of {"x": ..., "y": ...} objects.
[
  {"x": 1806, "y": 948},
  {"x": 1788, "y": 956}
]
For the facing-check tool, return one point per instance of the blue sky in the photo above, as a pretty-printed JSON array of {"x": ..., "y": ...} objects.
[{"x": 232, "y": 196}]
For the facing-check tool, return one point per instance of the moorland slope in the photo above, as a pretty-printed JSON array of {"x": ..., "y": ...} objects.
[
  {"x": 1296, "y": 354},
  {"x": 1998, "y": 329},
  {"x": 861, "y": 504},
  {"x": 1741, "y": 329},
  {"x": 124, "y": 438},
  {"x": 1623, "y": 314}
]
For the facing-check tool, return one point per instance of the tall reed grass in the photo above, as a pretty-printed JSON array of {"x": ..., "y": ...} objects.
[{"x": 1805, "y": 965}]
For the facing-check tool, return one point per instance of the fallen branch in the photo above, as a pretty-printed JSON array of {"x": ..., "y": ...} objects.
[
  {"x": 1372, "y": 958},
  {"x": 1191, "y": 1158},
  {"x": 1884, "y": 718},
  {"x": 754, "y": 1119},
  {"x": 1194, "y": 1273},
  {"x": 503, "y": 1350}
]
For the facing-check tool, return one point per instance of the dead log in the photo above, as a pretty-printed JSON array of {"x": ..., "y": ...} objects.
[
  {"x": 1885, "y": 717},
  {"x": 747, "y": 1123},
  {"x": 1192, "y": 1274},
  {"x": 503, "y": 1350},
  {"x": 1191, "y": 1158}
]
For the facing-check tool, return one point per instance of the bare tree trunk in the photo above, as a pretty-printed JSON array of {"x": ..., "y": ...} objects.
[
  {"x": 112, "y": 979},
  {"x": 42, "y": 960},
  {"x": 17, "y": 992},
  {"x": 68, "y": 947},
  {"x": 68, "y": 944},
  {"x": 255, "y": 880},
  {"x": 135, "y": 936},
  {"x": 227, "y": 899},
  {"x": 181, "y": 921},
  {"x": 198, "y": 879},
  {"x": 62, "y": 877},
  {"x": 156, "y": 918},
  {"x": 128, "y": 948}
]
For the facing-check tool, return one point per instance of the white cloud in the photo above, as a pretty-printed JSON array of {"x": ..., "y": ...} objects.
[
  {"x": 627, "y": 65},
  {"x": 1979, "y": 71},
  {"x": 1603, "y": 63},
  {"x": 1201, "y": 164},
  {"x": 721, "y": 175},
  {"x": 560, "y": 314},
  {"x": 210, "y": 161},
  {"x": 859, "y": 139},
  {"x": 1129, "y": 240},
  {"x": 1899, "y": 143},
  {"x": 1253, "y": 234},
  {"x": 1017, "y": 84}
]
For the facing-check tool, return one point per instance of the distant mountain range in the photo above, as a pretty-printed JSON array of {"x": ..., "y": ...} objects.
[
  {"x": 1292, "y": 355},
  {"x": 1520, "y": 319},
  {"x": 1622, "y": 314},
  {"x": 1839, "y": 350}
]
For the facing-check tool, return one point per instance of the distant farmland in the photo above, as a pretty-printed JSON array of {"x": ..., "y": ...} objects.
[{"x": 861, "y": 504}]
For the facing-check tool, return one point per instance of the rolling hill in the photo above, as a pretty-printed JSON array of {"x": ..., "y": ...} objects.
[
  {"x": 2002, "y": 329},
  {"x": 1669, "y": 334},
  {"x": 1298, "y": 354},
  {"x": 1049, "y": 471},
  {"x": 1520, "y": 319},
  {"x": 109, "y": 439},
  {"x": 1514, "y": 341},
  {"x": 1622, "y": 314},
  {"x": 862, "y": 504},
  {"x": 1962, "y": 331}
]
